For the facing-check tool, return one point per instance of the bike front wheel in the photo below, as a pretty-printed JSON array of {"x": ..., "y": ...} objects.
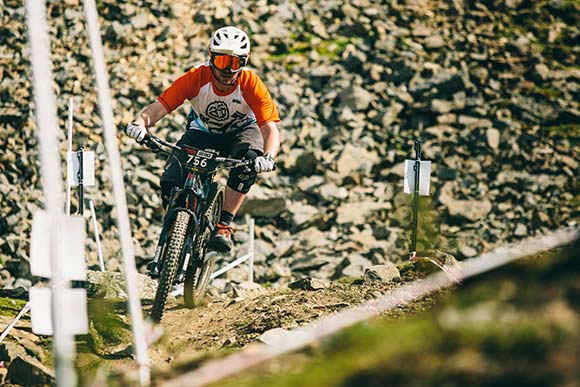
[
  {"x": 170, "y": 261},
  {"x": 198, "y": 273}
]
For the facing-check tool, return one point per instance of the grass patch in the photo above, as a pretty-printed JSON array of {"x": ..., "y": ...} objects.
[
  {"x": 349, "y": 280},
  {"x": 566, "y": 131},
  {"x": 11, "y": 307},
  {"x": 304, "y": 44},
  {"x": 333, "y": 47},
  {"x": 547, "y": 92}
]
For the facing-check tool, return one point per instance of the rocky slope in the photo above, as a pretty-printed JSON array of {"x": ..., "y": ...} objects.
[{"x": 490, "y": 87}]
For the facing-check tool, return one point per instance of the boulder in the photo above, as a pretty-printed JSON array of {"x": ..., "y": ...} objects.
[
  {"x": 383, "y": 273},
  {"x": 308, "y": 283}
]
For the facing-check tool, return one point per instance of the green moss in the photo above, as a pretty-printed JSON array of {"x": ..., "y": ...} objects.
[
  {"x": 350, "y": 280},
  {"x": 574, "y": 4},
  {"x": 575, "y": 203},
  {"x": 403, "y": 43},
  {"x": 509, "y": 31},
  {"x": 333, "y": 47},
  {"x": 547, "y": 92},
  {"x": 304, "y": 44},
  {"x": 11, "y": 307},
  {"x": 566, "y": 131},
  {"x": 109, "y": 332}
]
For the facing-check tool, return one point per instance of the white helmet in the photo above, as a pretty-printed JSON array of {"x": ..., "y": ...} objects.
[{"x": 230, "y": 40}]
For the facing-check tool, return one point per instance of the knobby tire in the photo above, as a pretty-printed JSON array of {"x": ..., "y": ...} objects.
[
  {"x": 197, "y": 278},
  {"x": 170, "y": 261}
]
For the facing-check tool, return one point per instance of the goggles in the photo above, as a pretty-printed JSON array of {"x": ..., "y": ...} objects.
[{"x": 231, "y": 63}]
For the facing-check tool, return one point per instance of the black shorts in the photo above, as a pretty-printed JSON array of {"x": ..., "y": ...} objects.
[{"x": 235, "y": 145}]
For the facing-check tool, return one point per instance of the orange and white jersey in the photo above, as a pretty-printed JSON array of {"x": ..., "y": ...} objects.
[{"x": 212, "y": 111}]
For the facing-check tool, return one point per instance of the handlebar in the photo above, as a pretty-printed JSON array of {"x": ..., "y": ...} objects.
[{"x": 157, "y": 146}]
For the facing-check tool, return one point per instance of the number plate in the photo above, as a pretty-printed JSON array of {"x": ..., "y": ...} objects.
[{"x": 198, "y": 160}]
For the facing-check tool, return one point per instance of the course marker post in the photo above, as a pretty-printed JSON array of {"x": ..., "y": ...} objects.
[{"x": 416, "y": 182}]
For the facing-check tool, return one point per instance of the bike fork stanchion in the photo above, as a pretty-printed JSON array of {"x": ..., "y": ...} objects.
[{"x": 97, "y": 238}]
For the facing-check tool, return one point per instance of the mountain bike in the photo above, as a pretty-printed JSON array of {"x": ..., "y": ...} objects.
[{"x": 191, "y": 214}]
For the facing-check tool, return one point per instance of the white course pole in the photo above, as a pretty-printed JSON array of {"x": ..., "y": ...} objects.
[
  {"x": 124, "y": 225},
  {"x": 97, "y": 238},
  {"x": 69, "y": 148},
  {"x": 251, "y": 252},
  {"x": 46, "y": 118}
]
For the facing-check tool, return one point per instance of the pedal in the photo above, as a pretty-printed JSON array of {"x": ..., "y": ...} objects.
[
  {"x": 212, "y": 255},
  {"x": 153, "y": 269}
]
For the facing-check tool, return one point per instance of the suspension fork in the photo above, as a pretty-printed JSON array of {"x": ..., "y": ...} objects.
[
  {"x": 167, "y": 221},
  {"x": 192, "y": 204},
  {"x": 199, "y": 185},
  {"x": 172, "y": 208}
]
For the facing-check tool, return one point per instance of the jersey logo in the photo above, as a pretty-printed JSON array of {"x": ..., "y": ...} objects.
[
  {"x": 217, "y": 110},
  {"x": 237, "y": 101}
]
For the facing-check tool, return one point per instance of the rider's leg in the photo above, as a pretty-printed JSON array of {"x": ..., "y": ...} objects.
[
  {"x": 233, "y": 200},
  {"x": 239, "y": 183}
]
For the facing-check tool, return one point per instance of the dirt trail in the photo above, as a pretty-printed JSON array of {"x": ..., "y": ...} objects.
[{"x": 223, "y": 325}]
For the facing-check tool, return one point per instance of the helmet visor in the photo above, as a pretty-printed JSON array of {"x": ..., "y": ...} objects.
[{"x": 224, "y": 62}]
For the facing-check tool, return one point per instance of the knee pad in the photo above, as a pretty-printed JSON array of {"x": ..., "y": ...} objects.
[{"x": 242, "y": 178}]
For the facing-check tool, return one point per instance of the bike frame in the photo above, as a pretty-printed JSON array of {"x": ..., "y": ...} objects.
[{"x": 191, "y": 198}]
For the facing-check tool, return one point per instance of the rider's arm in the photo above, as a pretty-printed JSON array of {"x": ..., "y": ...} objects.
[
  {"x": 151, "y": 114},
  {"x": 271, "y": 136}
]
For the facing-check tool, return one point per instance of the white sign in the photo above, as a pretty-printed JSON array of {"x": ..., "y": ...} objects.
[
  {"x": 73, "y": 168},
  {"x": 72, "y": 316},
  {"x": 71, "y": 236},
  {"x": 424, "y": 177}
]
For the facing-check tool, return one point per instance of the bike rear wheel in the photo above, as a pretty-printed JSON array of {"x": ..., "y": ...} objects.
[
  {"x": 170, "y": 262},
  {"x": 198, "y": 273}
]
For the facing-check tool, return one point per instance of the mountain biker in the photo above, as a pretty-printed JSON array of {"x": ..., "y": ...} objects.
[{"x": 231, "y": 111}]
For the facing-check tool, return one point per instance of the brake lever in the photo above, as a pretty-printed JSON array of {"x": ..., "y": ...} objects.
[{"x": 149, "y": 142}]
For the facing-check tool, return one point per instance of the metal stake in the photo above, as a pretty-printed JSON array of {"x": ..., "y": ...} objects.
[
  {"x": 69, "y": 149},
  {"x": 80, "y": 175},
  {"x": 417, "y": 169}
]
